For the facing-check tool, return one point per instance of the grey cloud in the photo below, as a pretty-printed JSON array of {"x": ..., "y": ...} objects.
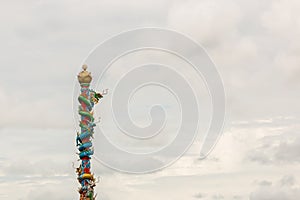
[
  {"x": 50, "y": 40},
  {"x": 288, "y": 180},
  {"x": 278, "y": 191},
  {"x": 280, "y": 149},
  {"x": 199, "y": 196},
  {"x": 265, "y": 183},
  {"x": 251, "y": 60},
  {"x": 217, "y": 197}
]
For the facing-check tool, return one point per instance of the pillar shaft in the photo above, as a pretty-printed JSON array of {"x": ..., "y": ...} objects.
[{"x": 84, "y": 138}]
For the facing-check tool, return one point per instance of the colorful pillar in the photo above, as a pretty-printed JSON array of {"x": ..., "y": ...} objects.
[{"x": 87, "y": 99}]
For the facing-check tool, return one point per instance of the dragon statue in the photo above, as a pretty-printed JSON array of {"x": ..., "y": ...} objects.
[{"x": 87, "y": 99}]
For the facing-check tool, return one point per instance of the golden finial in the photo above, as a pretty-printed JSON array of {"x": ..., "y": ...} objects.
[{"x": 84, "y": 76}]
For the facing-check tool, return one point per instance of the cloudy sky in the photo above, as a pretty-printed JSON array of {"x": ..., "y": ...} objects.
[{"x": 255, "y": 46}]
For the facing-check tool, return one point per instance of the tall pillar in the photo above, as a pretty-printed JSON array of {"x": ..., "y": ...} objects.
[{"x": 87, "y": 99}]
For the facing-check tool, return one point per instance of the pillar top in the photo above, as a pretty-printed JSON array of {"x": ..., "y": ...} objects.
[{"x": 84, "y": 76}]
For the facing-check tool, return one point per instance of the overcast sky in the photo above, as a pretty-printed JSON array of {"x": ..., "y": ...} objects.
[{"x": 255, "y": 46}]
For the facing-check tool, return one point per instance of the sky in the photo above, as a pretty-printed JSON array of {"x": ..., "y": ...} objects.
[{"x": 255, "y": 47}]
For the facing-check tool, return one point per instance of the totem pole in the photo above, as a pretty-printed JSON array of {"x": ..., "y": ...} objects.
[{"x": 87, "y": 99}]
